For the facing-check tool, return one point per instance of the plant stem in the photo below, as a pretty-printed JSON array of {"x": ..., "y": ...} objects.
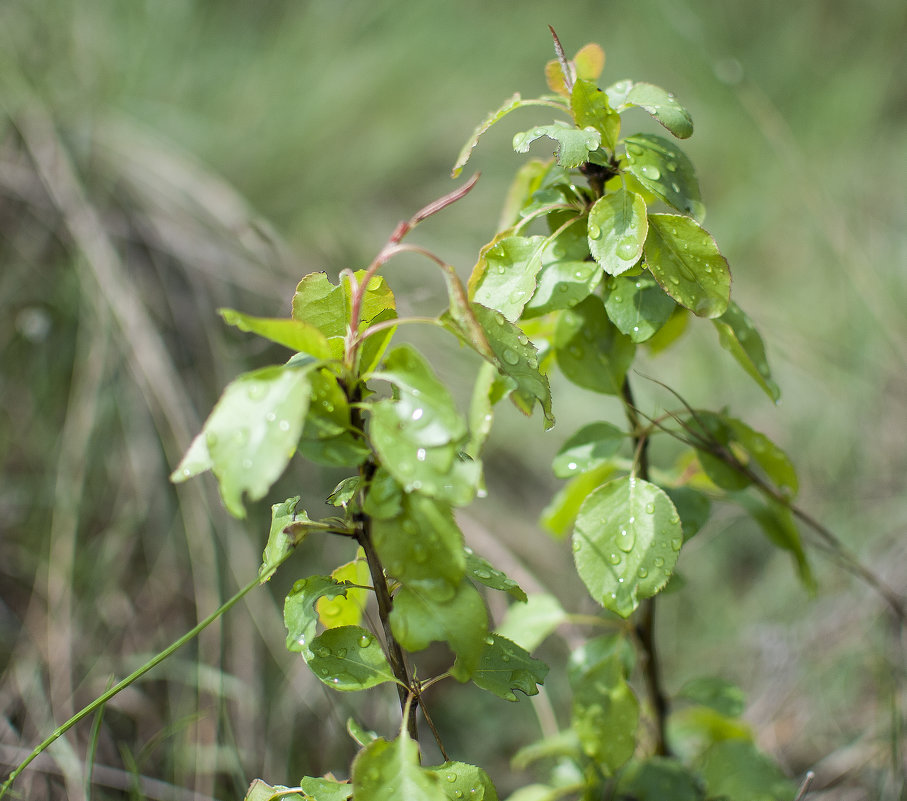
[
  {"x": 385, "y": 605},
  {"x": 122, "y": 685},
  {"x": 645, "y": 626},
  {"x": 363, "y": 534}
]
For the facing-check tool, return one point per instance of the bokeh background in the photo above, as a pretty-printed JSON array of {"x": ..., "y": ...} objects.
[{"x": 160, "y": 159}]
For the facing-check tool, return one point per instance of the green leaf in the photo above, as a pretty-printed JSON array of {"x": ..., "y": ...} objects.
[
  {"x": 327, "y": 307},
  {"x": 530, "y": 623},
  {"x": 670, "y": 332},
  {"x": 560, "y": 514},
  {"x": 774, "y": 462},
  {"x": 349, "y": 658},
  {"x": 479, "y": 569},
  {"x": 504, "y": 277},
  {"x": 638, "y": 306},
  {"x": 418, "y": 619},
  {"x": 422, "y": 546},
  {"x": 573, "y": 144},
  {"x": 591, "y": 352},
  {"x": 279, "y": 544},
  {"x": 462, "y": 782},
  {"x": 739, "y": 337},
  {"x": 418, "y": 435},
  {"x": 685, "y": 260},
  {"x": 328, "y": 436},
  {"x": 591, "y": 446},
  {"x": 662, "y": 105},
  {"x": 423, "y": 404},
  {"x": 664, "y": 170},
  {"x": 293, "y": 334},
  {"x": 505, "y": 667},
  {"x": 385, "y": 496},
  {"x": 251, "y": 434},
  {"x": 617, "y": 230},
  {"x": 490, "y": 387},
  {"x": 390, "y": 771},
  {"x": 321, "y": 304},
  {"x": 346, "y": 610},
  {"x": 561, "y": 285},
  {"x": 659, "y": 779},
  {"x": 693, "y": 507},
  {"x": 262, "y": 791},
  {"x": 526, "y": 181},
  {"x": 345, "y": 491},
  {"x": 747, "y": 446},
  {"x": 517, "y": 359},
  {"x": 719, "y": 694},
  {"x": 605, "y": 712},
  {"x": 625, "y": 543},
  {"x": 359, "y": 733},
  {"x": 510, "y": 105},
  {"x": 777, "y": 523},
  {"x": 299, "y": 615},
  {"x": 591, "y": 109},
  {"x": 325, "y": 789},
  {"x": 737, "y": 771}
]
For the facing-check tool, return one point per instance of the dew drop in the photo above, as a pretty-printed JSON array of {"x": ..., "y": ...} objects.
[
  {"x": 614, "y": 558},
  {"x": 284, "y": 425},
  {"x": 674, "y": 187},
  {"x": 257, "y": 391},
  {"x": 417, "y": 414},
  {"x": 572, "y": 466},
  {"x": 532, "y": 362},
  {"x": 627, "y": 249},
  {"x": 270, "y": 417},
  {"x": 577, "y": 545},
  {"x": 650, "y": 172},
  {"x": 650, "y": 508},
  {"x": 458, "y": 794},
  {"x": 323, "y": 652},
  {"x": 510, "y": 356},
  {"x": 675, "y": 519},
  {"x": 365, "y": 640},
  {"x": 672, "y": 166},
  {"x": 420, "y": 454},
  {"x": 523, "y": 339},
  {"x": 659, "y": 562},
  {"x": 451, "y": 777},
  {"x": 186, "y": 472},
  {"x": 626, "y": 541},
  {"x": 483, "y": 574},
  {"x": 642, "y": 572},
  {"x": 634, "y": 150},
  {"x": 595, "y": 232},
  {"x": 676, "y": 542},
  {"x": 618, "y": 299},
  {"x": 211, "y": 439},
  {"x": 341, "y": 652},
  {"x": 635, "y": 329}
]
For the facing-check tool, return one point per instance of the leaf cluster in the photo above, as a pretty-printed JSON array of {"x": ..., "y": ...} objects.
[{"x": 603, "y": 252}]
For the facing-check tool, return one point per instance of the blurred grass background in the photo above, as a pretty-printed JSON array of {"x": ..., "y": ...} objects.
[{"x": 159, "y": 160}]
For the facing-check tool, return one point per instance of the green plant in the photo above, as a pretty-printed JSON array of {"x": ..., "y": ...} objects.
[{"x": 583, "y": 273}]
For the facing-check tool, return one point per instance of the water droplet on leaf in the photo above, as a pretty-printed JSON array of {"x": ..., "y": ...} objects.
[
  {"x": 650, "y": 508},
  {"x": 642, "y": 572},
  {"x": 417, "y": 414},
  {"x": 650, "y": 172},
  {"x": 284, "y": 425},
  {"x": 627, "y": 249},
  {"x": 595, "y": 232},
  {"x": 420, "y": 454},
  {"x": 365, "y": 640},
  {"x": 511, "y": 357}
]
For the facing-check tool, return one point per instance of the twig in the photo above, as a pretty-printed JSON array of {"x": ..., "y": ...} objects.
[{"x": 804, "y": 786}]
